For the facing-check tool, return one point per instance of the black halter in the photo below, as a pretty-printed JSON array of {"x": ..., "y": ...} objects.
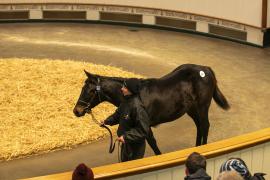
[{"x": 97, "y": 92}]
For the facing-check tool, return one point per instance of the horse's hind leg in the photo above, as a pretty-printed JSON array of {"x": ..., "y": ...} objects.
[
  {"x": 152, "y": 142},
  {"x": 203, "y": 112},
  {"x": 196, "y": 118}
]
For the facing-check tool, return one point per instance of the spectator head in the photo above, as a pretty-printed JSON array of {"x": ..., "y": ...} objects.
[
  {"x": 229, "y": 175},
  {"x": 82, "y": 172},
  {"x": 237, "y": 165},
  {"x": 194, "y": 162}
]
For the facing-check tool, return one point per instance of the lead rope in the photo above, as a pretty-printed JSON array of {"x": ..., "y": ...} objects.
[
  {"x": 112, "y": 145},
  {"x": 119, "y": 159}
]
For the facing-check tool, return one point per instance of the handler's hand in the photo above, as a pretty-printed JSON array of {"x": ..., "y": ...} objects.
[
  {"x": 102, "y": 122},
  {"x": 121, "y": 139}
]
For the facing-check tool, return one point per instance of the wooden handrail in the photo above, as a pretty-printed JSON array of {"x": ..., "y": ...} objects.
[{"x": 171, "y": 159}]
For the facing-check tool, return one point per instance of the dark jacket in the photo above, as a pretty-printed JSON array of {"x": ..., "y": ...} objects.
[
  {"x": 198, "y": 175},
  {"x": 258, "y": 176},
  {"x": 133, "y": 120}
]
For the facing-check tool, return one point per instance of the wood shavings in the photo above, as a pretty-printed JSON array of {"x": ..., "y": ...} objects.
[{"x": 36, "y": 102}]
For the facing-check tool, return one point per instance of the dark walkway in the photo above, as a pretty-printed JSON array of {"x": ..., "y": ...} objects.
[{"x": 243, "y": 73}]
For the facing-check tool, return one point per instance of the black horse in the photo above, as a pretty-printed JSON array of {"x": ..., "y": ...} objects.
[{"x": 187, "y": 89}]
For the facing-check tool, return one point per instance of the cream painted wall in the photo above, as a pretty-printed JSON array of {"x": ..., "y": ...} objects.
[{"x": 243, "y": 11}]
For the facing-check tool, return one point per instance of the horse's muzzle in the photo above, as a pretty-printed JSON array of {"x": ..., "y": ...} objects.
[{"x": 79, "y": 111}]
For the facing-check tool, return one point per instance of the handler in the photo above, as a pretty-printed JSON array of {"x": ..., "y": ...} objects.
[{"x": 133, "y": 120}]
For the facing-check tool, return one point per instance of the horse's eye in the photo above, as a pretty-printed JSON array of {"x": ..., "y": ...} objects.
[{"x": 90, "y": 90}]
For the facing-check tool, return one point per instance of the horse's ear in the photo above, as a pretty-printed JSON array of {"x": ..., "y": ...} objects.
[{"x": 91, "y": 77}]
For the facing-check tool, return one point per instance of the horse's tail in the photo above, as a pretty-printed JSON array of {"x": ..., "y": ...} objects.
[
  {"x": 220, "y": 99},
  {"x": 218, "y": 96}
]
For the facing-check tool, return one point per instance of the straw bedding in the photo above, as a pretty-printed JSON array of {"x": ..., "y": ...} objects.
[{"x": 36, "y": 102}]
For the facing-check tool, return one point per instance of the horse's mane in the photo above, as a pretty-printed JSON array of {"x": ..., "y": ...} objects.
[{"x": 118, "y": 79}]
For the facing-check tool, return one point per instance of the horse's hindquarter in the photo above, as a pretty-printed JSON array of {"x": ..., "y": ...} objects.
[{"x": 170, "y": 97}]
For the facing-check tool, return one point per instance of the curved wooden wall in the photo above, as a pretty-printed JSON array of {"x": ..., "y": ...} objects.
[
  {"x": 254, "y": 148},
  {"x": 233, "y": 10},
  {"x": 232, "y": 19}
]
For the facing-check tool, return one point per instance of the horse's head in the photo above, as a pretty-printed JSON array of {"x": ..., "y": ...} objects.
[
  {"x": 96, "y": 90},
  {"x": 90, "y": 95}
]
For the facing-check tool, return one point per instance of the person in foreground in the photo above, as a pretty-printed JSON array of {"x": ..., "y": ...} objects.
[
  {"x": 133, "y": 120},
  {"x": 229, "y": 175},
  {"x": 238, "y": 165},
  {"x": 82, "y": 172},
  {"x": 196, "y": 167}
]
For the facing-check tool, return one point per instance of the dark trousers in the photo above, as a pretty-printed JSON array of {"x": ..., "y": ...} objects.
[{"x": 132, "y": 151}]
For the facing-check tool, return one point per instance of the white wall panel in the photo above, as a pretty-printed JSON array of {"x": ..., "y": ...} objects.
[
  {"x": 218, "y": 162},
  {"x": 257, "y": 159},
  {"x": 149, "y": 176},
  {"x": 210, "y": 167},
  {"x": 166, "y": 174},
  {"x": 246, "y": 155},
  {"x": 254, "y": 36},
  {"x": 125, "y": 179},
  {"x": 243, "y": 11},
  {"x": 92, "y": 15},
  {"x": 135, "y": 177},
  {"x": 35, "y": 14},
  {"x": 234, "y": 154},
  {"x": 178, "y": 173},
  {"x": 266, "y": 160}
]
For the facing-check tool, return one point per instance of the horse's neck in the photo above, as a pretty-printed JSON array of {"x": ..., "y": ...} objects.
[{"x": 113, "y": 91}]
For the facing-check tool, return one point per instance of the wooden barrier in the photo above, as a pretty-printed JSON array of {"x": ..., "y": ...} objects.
[{"x": 253, "y": 148}]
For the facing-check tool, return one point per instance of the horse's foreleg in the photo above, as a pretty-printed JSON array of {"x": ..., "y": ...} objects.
[{"x": 152, "y": 142}]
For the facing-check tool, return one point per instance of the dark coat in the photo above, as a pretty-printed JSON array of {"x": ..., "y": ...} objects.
[
  {"x": 82, "y": 172},
  {"x": 198, "y": 175},
  {"x": 133, "y": 120},
  {"x": 258, "y": 176},
  {"x": 134, "y": 126}
]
